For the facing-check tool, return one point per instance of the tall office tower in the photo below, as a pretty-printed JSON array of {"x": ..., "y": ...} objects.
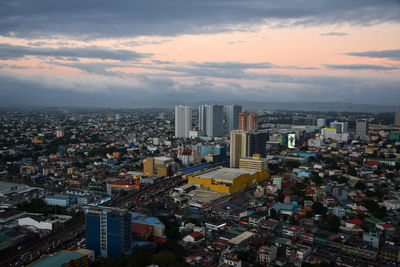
[
  {"x": 321, "y": 122},
  {"x": 397, "y": 118},
  {"x": 247, "y": 121},
  {"x": 215, "y": 121},
  {"x": 202, "y": 118},
  {"x": 252, "y": 122},
  {"x": 233, "y": 112},
  {"x": 259, "y": 144},
  {"x": 341, "y": 127},
  {"x": 183, "y": 121},
  {"x": 362, "y": 128},
  {"x": 108, "y": 231},
  {"x": 240, "y": 147}
]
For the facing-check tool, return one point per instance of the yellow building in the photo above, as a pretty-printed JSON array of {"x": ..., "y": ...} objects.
[
  {"x": 256, "y": 163},
  {"x": 158, "y": 166},
  {"x": 229, "y": 180}
]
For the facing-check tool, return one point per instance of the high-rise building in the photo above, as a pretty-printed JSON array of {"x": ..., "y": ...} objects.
[
  {"x": 259, "y": 143},
  {"x": 321, "y": 122},
  {"x": 108, "y": 231},
  {"x": 183, "y": 121},
  {"x": 233, "y": 112},
  {"x": 247, "y": 121},
  {"x": 246, "y": 144},
  {"x": 341, "y": 127},
  {"x": 397, "y": 118},
  {"x": 243, "y": 125},
  {"x": 215, "y": 120},
  {"x": 240, "y": 147},
  {"x": 362, "y": 128},
  {"x": 202, "y": 118}
]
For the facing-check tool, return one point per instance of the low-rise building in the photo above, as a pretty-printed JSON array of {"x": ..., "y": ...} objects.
[{"x": 266, "y": 255}]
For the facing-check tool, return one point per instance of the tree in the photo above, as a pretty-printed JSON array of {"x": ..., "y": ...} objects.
[
  {"x": 352, "y": 171},
  {"x": 164, "y": 258},
  {"x": 375, "y": 209},
  {"x": 316, "y": 178},
  {"x": 318, "y": 208},
  {"x": 332, "y": 223},
  {"x": 360, "y": 185}
]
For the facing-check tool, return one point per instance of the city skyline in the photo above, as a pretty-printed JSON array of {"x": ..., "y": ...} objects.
[{"x": 141, "y": 52}]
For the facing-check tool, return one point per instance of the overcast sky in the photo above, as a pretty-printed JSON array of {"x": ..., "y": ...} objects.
[{"x": 118, "y": 53}]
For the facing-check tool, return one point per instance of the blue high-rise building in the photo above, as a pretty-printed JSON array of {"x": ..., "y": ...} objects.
[{"x": 108, "y": 231}]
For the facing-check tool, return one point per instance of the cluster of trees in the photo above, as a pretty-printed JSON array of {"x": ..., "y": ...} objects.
[
  {"x": 376, "y": 210},
  {"x": 169, "y": 254}
]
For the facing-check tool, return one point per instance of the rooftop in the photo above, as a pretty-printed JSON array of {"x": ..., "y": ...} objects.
[
  {"x": 240, "y": 238},
  {"x": 144, "y": 219},
  {"x": 223, "y": 173},
  {"x": 58, "y": 259},
  {"x": 163, "y": 158}
]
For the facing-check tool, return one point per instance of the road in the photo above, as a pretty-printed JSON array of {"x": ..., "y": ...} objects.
[{"x": 61, "y": 238}]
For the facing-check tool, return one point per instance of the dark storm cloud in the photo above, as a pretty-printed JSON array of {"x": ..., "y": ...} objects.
[
  {"x": 273, "y": 87},
  {"x": 8, "y": 51},
  {"x": 122, "y": 18},
  {"x": 360, "y": 67},
  {"x": 334, "y": 34},
  {"x": 389, "y": 54}
]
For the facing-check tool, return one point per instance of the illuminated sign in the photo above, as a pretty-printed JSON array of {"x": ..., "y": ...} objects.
[{"x": 291, "y": 140}]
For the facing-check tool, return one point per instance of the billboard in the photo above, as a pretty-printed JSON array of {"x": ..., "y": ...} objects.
[{"x": 291, "y": 140}]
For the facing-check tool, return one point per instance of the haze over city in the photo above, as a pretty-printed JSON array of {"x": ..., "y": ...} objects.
[{"x": 146, "y": 53}]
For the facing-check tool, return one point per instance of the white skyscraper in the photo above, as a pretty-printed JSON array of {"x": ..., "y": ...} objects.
[
  {"x": 233, "y": 112},
  {"x": 183, "y": 121},
  {"x": 214, "y": 120}
]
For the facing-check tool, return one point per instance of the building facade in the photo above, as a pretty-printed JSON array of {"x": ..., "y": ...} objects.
[
  {"x": 362, "y": 129},
  {"x": 255, "y": 163},
  {"x": 183, "y": 121},
  {"x": 240, "y": 147},
  {"x": 397, "y": 118},
  {"x": 108, "y": 231},
  {"x": 233, "y": 112},
  {"x": 247, "y": 121},
  {"x": 214, "y": 121},
  {"x": 202, "y": 118}
]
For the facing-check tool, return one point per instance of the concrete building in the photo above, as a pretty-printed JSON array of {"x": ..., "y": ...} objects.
[
  {"x": 247, "y": 121},
  {"x": 240, "y": 147},
  {"x": 266, "y": 255},
  {"x": 147, "y": 226},
  {"x": 202, "y": 118},
  {"x": 362, "y": 129},
  {"x": 58, "y": 200},
  {"x": 331, "y": 133},
  {"x": 189, "y": 156},
  {"x": 159, "y": 166},
  {"x": 341, "y": 127},
  {"x": 321, "y": 122},
  {"x": 255, "y": 163},
  {"x": 397, "y": 118},
  {"x": 183, "y": 121},
  {"x": 233, "y": 112},
  {"x": 259, "y": 143},
  {"x": 215, "y": 120},
  {"x": 228, "y": 180},
  {"x": 108, "y": 231}
]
